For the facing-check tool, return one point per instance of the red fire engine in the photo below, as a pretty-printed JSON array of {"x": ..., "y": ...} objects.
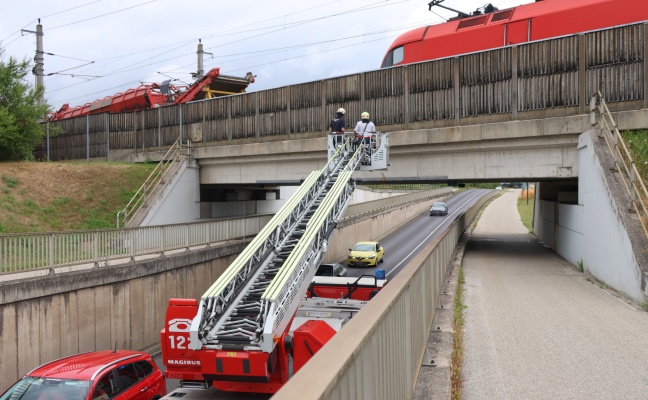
[{"x": 266, "y": 315}]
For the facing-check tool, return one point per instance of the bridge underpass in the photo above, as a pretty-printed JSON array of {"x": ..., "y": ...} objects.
[
  {"x": 252, "y": 123},
  {"x": 553, "y": 152}
]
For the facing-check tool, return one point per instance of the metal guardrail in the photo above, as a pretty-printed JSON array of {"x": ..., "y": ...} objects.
[
  {"x": 24, "y": 252},
  {"x": 361, "y": 208},
  {"x": 32, "y": 251},
  {"x": 623, "y": 162},
  {"x": 407, "y": 186},
  {"x": 139, "y": 199}
]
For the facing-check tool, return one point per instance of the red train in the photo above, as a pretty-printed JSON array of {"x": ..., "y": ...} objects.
[{"x": 495, "y": 28}]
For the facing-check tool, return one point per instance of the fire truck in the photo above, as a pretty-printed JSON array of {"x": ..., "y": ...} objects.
[
  {"x": 266, "y": 315},
  {"x": 489, "y": 27},
  {"x": 212, "y": 84}
]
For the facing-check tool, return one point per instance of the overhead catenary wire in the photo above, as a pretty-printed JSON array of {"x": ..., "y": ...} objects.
[
  {"x": 230, "y": 71},
  {"x": 103, "y": 15},
  {"x": 278, "y": 29},
  {"x": 132, "y": 66},
  {"x": 158, "y": 58},
  {"x": 50, "y": 15},
  {"x": 281, "y": 49}
]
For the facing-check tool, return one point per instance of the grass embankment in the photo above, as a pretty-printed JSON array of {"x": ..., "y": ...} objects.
[
  {"x": 525, "y": 207},
  {"x": 457, "y": 348},
  {"x": 637, "y": 144},
  {"x": 61, "y": 196}
]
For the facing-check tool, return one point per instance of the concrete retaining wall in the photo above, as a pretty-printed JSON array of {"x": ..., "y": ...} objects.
[
  {"x": 598, "y": 231},
  {"x": 179, "y": 202},
  {"x": 46, "y": 318},
  {"x": 363, "y": 194}
]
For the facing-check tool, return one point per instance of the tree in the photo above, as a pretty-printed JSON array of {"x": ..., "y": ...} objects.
[{"x": 20, "y": 131}]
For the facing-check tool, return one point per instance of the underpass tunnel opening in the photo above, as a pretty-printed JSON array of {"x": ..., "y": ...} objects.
[
  {"x": 563, "y": 192},
  {"x": 224, "y": 201}
]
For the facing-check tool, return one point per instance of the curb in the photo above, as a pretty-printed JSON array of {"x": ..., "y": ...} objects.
[{"x": 434, "y": 376}]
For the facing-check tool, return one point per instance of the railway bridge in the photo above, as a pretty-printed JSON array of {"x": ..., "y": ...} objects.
[
  {"x": 519, "y": 113},
  {"x": 516, "y": 113}
]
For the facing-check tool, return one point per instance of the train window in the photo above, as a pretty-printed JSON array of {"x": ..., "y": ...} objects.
[
  {"x": 501, "y": 16},
  {"x": 399, "y": 54},
  {"x": 467, "y": 23},
  {"x": 394, "y": 57}
]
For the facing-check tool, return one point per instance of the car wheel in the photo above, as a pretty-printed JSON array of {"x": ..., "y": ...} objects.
[{"x": 382, "y": 260}]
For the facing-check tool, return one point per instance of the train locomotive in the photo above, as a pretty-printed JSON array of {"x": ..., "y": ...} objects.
[{"x": 489, "y": 27}]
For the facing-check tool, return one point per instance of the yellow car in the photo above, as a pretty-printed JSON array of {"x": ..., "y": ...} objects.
[{"x": 365, "y": 254}]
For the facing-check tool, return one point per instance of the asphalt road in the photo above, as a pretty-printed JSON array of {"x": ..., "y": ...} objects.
[
  {"x": 535, "y": 328},
  {"x": 400, "y": 247},
  {"x": 404, "y": 244}
]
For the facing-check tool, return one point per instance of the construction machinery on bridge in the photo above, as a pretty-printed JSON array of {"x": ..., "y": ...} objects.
[
  {"x": 265, "y": 316},
  {"x": 146, "y": 96}
]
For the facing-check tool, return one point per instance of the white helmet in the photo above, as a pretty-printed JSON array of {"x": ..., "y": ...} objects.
[
  {"x": 341, "y": 111},
  {"x": 365, "y": 115}
]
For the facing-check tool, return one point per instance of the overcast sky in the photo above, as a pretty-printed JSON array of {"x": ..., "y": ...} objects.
[{"x": 282, "y": 42}]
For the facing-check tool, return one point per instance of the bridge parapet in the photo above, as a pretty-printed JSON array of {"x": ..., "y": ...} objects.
[{"x": 541, "y": 79}]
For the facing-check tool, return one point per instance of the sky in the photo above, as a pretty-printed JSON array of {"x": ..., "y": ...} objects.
[{"x": 102, "y": 47}]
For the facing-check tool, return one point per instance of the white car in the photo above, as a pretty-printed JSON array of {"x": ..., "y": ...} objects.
[
  {"x": 331, "y": 270},
  {"x": 498, "y": 188}
]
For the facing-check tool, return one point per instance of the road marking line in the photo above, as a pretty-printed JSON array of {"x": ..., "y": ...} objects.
[{"x": 431, "y": 233}]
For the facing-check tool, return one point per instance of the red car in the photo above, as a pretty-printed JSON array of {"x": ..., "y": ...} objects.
[{"x": 100, "y": 375}]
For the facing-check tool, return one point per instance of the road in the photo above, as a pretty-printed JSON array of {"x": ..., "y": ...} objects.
[
  {"x": 535, "y": 328},
  {"x": 400, "y": 247},
  {"x": 404, "y": 244}
]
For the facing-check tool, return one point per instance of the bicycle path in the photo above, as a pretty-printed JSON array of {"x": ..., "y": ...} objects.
[{"x": 535, "y": 328}]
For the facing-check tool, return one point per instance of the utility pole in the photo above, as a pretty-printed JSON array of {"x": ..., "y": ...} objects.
[
  {"x": 39, "y": 59},
  {"x": 201, "y": 71}
]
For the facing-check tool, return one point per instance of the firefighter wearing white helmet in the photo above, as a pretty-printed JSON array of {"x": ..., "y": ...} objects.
[
  {"x": 364, "y": 128},
  {"x": 336, "y": 126},
  {"x": 363, "y": 131}
]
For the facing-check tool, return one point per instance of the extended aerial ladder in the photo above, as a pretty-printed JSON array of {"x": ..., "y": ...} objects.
[{"x": 238, "y": 337}]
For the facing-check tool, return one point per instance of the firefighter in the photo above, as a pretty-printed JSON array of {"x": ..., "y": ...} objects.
[
  {"x": 336, "y": 126},
  {"x": 363, "y": 130}
]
